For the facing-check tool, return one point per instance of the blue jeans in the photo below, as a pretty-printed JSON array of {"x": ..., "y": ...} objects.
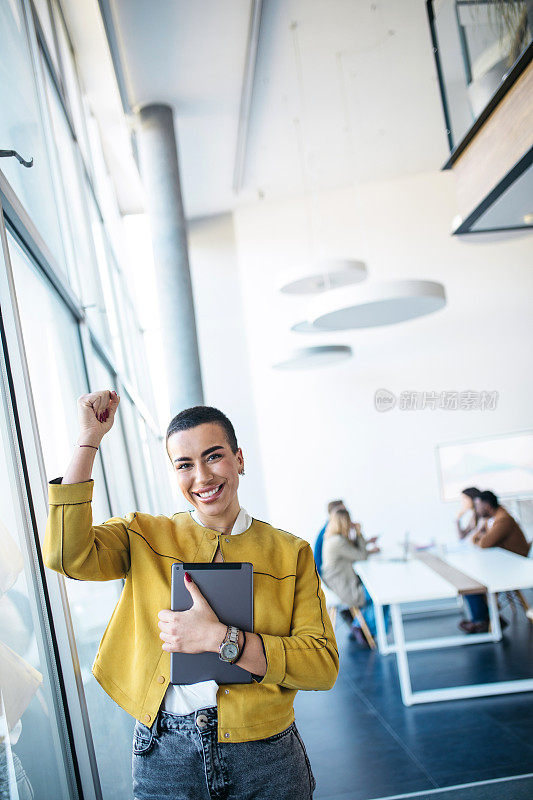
[
  {"x": 179, "y": 758},
  {"x": 370, "y": 615},
  {"x": 477, "y": 603}
]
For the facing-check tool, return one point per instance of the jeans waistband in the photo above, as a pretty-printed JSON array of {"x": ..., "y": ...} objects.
[{"x": 203, "y": 720}]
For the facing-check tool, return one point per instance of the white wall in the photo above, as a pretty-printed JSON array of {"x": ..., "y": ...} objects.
[
  {"x": 223, "y": 347},
  {"x": 222, "y": 342},
  {"x": 320, "y": 435}
]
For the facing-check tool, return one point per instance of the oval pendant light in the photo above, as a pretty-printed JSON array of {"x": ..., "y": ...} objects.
[
  {"x": 312, "y": 357},
  {"x": 376, "y": 304},
  {"x": 330, "y": 273}
]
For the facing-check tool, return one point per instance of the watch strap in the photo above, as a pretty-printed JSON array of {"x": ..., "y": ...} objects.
[{"x": 232, "y": 635}]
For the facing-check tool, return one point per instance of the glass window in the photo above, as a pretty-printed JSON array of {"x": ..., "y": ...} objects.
[
  {"x": 69, "y": 169},
  {"x": 140, "y": 460},
  {"x": 21, "y": 129},
  {"x": 105, "y": 193},
  {"x": 43, "y": 12},
  {"x": 72, "y": 86},
  {"x": 113, "y": 448},
  {"x": 478, "y": 43},
  {"x": 132, "y": 338},
  {"x": 27, "y": 717},
  {"x": 58, "y": 378},
  {"x": 32, "y": 763},
  {"x": 169, "y": 498},
  {"x": 113, "y": 343}
]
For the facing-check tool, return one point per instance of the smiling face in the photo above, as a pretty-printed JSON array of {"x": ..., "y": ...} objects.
[{"x": 207, "y": 471}]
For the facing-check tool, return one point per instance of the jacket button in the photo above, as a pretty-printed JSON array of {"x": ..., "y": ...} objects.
[
  {"x": 161, "y": 679},
  {"x": 211, "y": 535},
  {"x": 226, "y": 540},
  {"x": 147, "y": 718},
  {"x": 226, "y": 736},
  {"x": 226, "y": 691}
]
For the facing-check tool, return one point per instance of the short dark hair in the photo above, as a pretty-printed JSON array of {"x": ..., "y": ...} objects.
[
  {"x": 471, "y": 492},
  {"x": 490, "y": 498},
  {"x": 198, "y": 415},
  {"x": 333, "y": 504}
]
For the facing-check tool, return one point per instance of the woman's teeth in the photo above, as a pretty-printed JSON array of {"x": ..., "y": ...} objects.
[{"x": 210, "y": 493}]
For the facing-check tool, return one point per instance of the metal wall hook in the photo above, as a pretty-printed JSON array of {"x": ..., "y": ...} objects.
[{"x": 10, "y": 153}]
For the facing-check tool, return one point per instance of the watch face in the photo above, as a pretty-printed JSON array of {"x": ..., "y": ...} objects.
[{"x": 229, "y": 651}]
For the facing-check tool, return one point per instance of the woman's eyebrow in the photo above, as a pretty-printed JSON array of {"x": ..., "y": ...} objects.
[{"x": 205, "y": 453}]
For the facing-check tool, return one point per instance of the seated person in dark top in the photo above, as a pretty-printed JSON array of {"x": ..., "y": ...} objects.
[{"x": 499, "y": 530}]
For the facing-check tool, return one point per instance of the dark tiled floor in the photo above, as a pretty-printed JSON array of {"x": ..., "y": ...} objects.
[{"x": 363, "y": 743}]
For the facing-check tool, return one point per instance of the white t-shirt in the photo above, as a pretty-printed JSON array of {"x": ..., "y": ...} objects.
[{"x": 186, "y": 699}]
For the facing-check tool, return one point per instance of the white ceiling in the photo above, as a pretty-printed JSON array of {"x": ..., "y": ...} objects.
[
  {"x": 190, "y": 55},
  {"x": 344, "y": 91}
]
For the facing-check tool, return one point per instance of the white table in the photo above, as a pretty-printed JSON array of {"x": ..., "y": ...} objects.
[
  {"x": 496, "y": 568},
  {"x": 412, "y": 581}
]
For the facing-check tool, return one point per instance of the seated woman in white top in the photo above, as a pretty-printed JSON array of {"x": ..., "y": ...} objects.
[{"x": 338, "y": 555}]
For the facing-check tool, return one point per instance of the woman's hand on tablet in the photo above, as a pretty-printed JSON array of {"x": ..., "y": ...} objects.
[{"x": 197, "y": 630}]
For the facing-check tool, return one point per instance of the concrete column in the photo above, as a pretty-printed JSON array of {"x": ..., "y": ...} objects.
[{"x": 161, "y": 180}]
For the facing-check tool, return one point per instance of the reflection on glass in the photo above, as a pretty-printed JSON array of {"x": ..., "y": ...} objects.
[
  {"x": 28, "y": 769},
  {"x": 57, "y": 376},
  {"x": 21, "y": 128},
  {"x": 478, "y": 42}
]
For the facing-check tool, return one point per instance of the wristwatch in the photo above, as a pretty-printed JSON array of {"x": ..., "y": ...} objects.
[{"x": 229, "y": 649}]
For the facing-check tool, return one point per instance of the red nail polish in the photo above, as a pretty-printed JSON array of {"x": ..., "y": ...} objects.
[{"x": 188, "y": 577}]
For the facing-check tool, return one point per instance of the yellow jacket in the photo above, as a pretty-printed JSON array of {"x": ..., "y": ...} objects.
[{"x": 130, "y": 665}]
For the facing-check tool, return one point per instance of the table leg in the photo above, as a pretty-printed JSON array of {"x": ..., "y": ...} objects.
[
  {"x": 401, "y": 654},
  {"x": 380, "y": 629},
  {"x": 494, "y": 617}
]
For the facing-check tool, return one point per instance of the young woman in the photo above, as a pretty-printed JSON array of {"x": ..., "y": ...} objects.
[
  {"x": 200, "y": 741},
  {"x": 467, "y": 519},
  {"x": 339, "y": 554}
]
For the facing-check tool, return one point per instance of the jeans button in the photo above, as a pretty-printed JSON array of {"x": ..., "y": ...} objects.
[{"x": 201, "y": 720}]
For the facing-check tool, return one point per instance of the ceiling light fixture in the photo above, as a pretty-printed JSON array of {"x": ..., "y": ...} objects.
[
  {"x": 311, "y": 357},
  {"x": 374, "y": 305},
  {"x": 330, "y": 273}
]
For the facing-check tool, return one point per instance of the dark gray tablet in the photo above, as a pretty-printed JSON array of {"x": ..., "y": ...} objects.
[{"x": 228, "y": 588}]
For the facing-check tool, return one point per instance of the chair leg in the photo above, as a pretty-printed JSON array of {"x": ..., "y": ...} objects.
[
  {"x": 523, "y": 602},
  {"x": 356, "y": 614},
  {"x": 510, "y": 600},
  {"x": 332, "y": 611}
]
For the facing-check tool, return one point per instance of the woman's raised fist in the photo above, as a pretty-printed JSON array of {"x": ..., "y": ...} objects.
[{"x": 96, "y": 413}]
